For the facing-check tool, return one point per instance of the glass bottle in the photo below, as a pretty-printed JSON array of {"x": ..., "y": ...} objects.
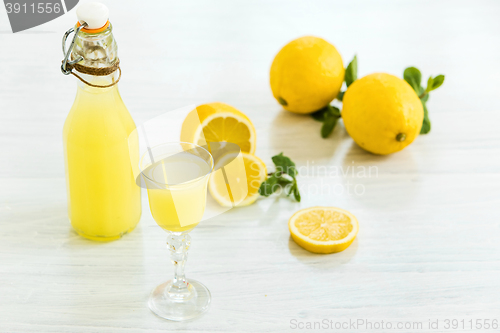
[{"x": 104, "y": 202}]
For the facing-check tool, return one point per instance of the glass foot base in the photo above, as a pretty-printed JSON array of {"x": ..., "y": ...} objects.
[{"x": 166, "y": 307}]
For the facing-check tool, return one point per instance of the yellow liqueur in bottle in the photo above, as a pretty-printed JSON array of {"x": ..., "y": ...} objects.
[{"x": 104, "y": 201}]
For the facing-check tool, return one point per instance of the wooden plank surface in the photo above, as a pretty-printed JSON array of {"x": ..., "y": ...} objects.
[{"x": 429, "y": 216}]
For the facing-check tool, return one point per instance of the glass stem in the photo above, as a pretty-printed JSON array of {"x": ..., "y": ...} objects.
[{"x": 178, "y": 244}]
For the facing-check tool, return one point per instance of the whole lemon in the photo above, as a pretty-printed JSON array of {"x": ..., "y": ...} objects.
[
  {"x": 307, "y": 74},
  {"x": 382, "y": 113}
]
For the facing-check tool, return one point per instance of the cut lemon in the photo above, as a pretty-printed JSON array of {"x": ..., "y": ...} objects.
[
  {"x": 219, "y": 122},
  {"x": 323, "y": 229},
  {"x": 238, "y": 182}
]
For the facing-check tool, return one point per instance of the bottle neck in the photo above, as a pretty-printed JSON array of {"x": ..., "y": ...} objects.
[
  {"x": 97, "y": 80},
  {"x": 98, "y": 50}
]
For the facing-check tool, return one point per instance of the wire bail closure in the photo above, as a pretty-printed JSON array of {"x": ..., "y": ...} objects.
[
  {"x": 66, "y": 61},
  {"x": 68, "y": 65}
]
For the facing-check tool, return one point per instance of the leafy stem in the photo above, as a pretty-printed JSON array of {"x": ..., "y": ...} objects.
[
  {"x": 329, "y": 116},
  {"x": 414, "y": 78},
  {"x": 351, "y": 75},
  {"x": 283, "y": 178}
]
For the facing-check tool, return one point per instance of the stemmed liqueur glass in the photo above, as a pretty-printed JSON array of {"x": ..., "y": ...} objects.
[{"x": 176, "y": 177}]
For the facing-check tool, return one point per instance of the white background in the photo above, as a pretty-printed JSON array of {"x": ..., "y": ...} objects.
[{"x": 428, "y": 246}]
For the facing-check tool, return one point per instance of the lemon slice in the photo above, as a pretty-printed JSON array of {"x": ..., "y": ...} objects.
[
  {"x": 219, "y": 122},
  {"x": 323, "y": 229},
  {"x": 237, "y": 184}
]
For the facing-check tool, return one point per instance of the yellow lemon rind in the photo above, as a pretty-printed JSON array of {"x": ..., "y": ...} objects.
[
  {"x": 377, "y": 109},
  {"x": 306, "y": 74},
  {"x": 320, "y": 246}
]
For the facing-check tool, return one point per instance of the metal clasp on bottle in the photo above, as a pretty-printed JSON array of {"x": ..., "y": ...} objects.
[{"x": 67, "y": 54}]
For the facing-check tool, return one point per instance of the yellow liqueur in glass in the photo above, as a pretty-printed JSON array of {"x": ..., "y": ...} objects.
[
  {"x": 179, "y": 205},
  {"x": 176, "y": 176}
]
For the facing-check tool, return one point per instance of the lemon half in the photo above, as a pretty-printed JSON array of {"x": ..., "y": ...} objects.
[
  {"x": 239, "y": 186},
  {"x": 219, "y": 122}
]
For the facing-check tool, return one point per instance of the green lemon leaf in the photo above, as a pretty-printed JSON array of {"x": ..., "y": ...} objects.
[
  {"x": 351, "y": 72},
  {"x": 289, "y": 189},
  {"x": 430, "y": 81},
  {"x": 340, "y": 96},
  {"x": 282, "y": 181},
  {"x": 328, "y": 126},
  {"x": 283, "y": 177},
  {"x": 438, "y": 81},
  {"x": 292, "y": 188},
  {"x": 334, "y": 111},
  {"x": 296, "y": 193},
  {"x": 329, "y": 116},
  {"x": 268, "y": 186},
  {"x": 320, "y": 114},
  {"x": 284, "y": 165},
  {"x": 435, "y": 83},
  {"x": 413, "y": 76},
  {"x": 426, "y": 125},
  {"x": 284, "y": 184}
]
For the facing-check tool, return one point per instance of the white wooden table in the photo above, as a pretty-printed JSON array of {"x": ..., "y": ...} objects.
[{"x": 428, "y": 246}]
